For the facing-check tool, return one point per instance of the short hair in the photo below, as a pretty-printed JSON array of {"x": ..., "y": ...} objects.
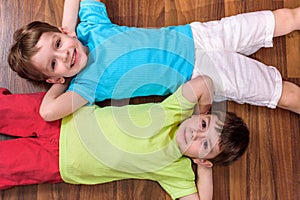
[
  {"x": 24, "y": 47},
  {"x": 234, "y": 138}
]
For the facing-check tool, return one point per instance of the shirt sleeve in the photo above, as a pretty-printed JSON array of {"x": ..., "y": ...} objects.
[
  {"x": 178, "y": 107},
  {"x": 85, "y": 87},
  {"x": 182, "y": 182},
  {"x": 93, "y": 12}
]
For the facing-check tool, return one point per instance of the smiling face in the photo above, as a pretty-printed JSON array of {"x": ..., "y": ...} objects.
[
  {"x": 59, "y": 55},
  {"x": 198, "y": 138}
]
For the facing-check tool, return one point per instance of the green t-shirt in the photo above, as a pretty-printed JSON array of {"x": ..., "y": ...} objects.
[{"x": 99, "y": 145}]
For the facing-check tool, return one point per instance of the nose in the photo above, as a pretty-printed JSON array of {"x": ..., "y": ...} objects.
[
  {"x": 63, "y": 55},
  {"x": 198, "y": 134}
]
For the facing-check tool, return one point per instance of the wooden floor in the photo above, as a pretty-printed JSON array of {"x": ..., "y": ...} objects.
[{"x": 269, "y": 170}]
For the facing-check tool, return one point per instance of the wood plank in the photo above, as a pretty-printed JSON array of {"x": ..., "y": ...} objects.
[
  {"x": 270, "y": 168},
  {"x": 293, "y": 48}
]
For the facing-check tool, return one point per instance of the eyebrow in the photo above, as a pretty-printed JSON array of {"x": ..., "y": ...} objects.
[
  {"x": 213, "y": 147},
  {"x": 209, "y": 119},
  {"x": 210, "y": 145},
  {"x": 210, "y": 141}
]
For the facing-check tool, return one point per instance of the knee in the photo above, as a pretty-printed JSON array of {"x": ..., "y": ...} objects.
[
  {"x": 287, "y": 19},
  {"x": 290, "y": 97}
]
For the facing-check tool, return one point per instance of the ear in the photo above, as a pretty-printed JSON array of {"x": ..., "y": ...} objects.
[
  {"x": 202, "y": 162},
  {"x": 60, "y": 80},
  {"x": 68, "y": 32}
]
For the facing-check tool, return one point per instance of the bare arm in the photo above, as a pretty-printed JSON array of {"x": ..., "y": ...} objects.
[
  {"x": 57, "y": 103},
  {"x": 204, "y": 184},
  {"x": 70, "y": 14},
  {"x": 199, "y": 89}
]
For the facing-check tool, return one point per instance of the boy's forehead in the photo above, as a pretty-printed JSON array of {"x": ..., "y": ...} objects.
[
  {"x": 47, "y": 36},
  {"x": 44, "y": 40},
  {"x": 215, "y": 149}
]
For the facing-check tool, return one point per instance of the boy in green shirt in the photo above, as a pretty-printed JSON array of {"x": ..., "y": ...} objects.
[{"x": 148, "y": 141}]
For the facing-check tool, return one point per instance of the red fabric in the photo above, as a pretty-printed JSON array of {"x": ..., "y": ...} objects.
[{"x": 33, "y": 157}]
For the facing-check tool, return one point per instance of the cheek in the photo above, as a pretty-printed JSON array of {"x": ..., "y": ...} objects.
[
  {"x": 36, "y": 61},
  {"x": 194, "y": 149}
]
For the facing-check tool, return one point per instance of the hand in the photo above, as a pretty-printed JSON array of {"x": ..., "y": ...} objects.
[
  {"x": 205, "y": 181},
  {"x": 68, "y": 32}
]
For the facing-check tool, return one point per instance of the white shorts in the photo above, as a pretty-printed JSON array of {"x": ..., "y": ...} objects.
[{"x": 221, "y": 49}]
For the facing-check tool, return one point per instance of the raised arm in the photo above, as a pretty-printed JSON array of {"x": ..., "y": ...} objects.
[
  {"x": 57, "y": 103},
  {"x": 204, "y": 184},
  {"x": 70, "y": 14},
  {"x": 199, "y": 89}
]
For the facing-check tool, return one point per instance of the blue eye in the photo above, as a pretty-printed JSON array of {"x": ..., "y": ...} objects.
[{"x": 205, "y": 144}]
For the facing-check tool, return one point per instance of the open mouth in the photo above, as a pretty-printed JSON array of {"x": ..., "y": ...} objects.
[{"x": 73, "y": 58}]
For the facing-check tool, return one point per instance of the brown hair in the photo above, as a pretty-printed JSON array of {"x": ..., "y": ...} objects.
[
  {"x": 24, "y": 48},
  {"x": 234, "y": 138}
]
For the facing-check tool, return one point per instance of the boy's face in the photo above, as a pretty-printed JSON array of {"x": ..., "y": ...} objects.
[
  {"x": 59, "y": 55},
  {"x": 198, "y": 138}
]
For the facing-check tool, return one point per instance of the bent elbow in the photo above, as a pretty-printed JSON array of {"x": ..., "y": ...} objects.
[
  {"x": 47, "y": 115},
  {"x": 207, "y": 80},
  {"x": 207, "y": 83}
]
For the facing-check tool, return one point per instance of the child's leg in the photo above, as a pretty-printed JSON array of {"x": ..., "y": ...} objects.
[
  {"x": 243, "y": 33},
  {"x": 25, "y": 161},
  {"x": 240, "y": 78},
  {"x": 286, "y": 21},
  {"x": 290, "y": 97},
  {"x": 20, "y": 114}
]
